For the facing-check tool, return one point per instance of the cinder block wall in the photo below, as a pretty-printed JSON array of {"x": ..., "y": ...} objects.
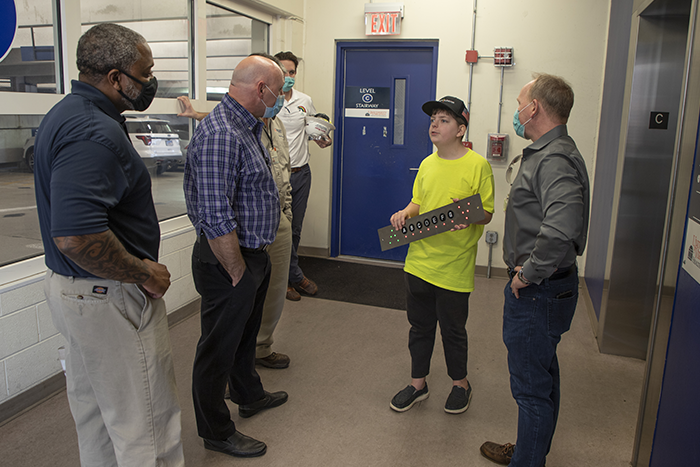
[{"x": 29, "y": 341}]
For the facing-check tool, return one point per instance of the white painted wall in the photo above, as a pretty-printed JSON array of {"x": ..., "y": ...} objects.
[{"x": 563, "y": 38}]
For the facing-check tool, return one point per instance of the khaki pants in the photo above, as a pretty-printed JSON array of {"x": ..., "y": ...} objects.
[
  {"x": 279, "y": 251},
  {"x": 119, "y": 372}
]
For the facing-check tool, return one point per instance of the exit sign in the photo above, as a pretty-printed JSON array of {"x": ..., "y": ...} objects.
[{"x": 383, "y": 19}]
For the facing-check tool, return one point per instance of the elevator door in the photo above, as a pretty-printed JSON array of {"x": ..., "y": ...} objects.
[{"x": 679, "y": 408}]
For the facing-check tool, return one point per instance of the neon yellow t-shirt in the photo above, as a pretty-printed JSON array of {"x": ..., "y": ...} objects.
[{"x": 448, "y": 260}]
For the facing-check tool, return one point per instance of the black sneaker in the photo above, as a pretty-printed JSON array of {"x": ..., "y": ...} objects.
[
  {"x": 458, "y": 400},
  {"x": 408, "y": 396}
]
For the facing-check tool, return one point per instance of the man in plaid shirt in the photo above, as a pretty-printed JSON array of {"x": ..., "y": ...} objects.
[{"x": 233, "y": 203}]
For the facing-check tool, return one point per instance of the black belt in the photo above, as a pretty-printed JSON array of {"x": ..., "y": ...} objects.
[
  {"x": 205, "y": 254},
  {"x": 558, "y": 274},
  {"x": 562, "y": 273},
  {"x": 259, "y": 249}
]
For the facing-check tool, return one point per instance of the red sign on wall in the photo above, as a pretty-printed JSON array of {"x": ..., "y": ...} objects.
[{"x": 382, "y": 23}]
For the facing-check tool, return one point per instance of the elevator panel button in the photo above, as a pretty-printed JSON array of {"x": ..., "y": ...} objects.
[{"x": 421, "y": 229}]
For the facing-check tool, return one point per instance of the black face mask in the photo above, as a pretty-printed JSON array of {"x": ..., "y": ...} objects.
[{"x": 148, "y": 92}]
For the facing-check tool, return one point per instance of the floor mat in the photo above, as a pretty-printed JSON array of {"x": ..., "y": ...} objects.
[{"x": 365, "y": 284}]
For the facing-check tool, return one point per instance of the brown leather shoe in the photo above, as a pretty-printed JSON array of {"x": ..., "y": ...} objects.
[
  {"x": 274, "y": 360},
  {"x": 307, "y": 286},
  {"x": 498, "y": 453},
  {"x": 292, "y": 294}
]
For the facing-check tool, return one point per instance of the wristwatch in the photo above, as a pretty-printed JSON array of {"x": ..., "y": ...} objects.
[{"x": 522, "y": 277}]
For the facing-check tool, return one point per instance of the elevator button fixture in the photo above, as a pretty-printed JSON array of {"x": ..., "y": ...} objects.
[{"x": 426, "y": 224}]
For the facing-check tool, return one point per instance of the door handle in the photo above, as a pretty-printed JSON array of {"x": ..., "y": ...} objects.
[{"x": 413, "y": 169}]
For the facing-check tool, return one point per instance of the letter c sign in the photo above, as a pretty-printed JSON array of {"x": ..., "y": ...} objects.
[{"x": 658, "y": 121}]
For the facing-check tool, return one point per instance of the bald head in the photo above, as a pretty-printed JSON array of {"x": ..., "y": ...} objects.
[{"x": 256, "y": 83}]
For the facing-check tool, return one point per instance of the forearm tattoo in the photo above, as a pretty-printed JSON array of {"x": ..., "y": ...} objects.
[{"x": 103, "y": 255}]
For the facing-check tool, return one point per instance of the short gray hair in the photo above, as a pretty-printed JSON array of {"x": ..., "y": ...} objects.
[
  {"x": 107, "y": 46},
  {"x": 554, "y": 94}
]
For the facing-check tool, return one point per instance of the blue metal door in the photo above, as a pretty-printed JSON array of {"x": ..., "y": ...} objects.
[
  {"x": 679, "y": 408},
  {"x": 381, "y": 136}
]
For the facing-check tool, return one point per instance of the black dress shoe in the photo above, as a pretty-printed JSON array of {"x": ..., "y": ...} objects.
[
  {"x": 271, "y": 399},
  {"x": 237, "y": 445}
]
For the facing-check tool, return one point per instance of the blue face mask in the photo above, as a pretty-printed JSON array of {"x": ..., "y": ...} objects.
[
  {"x": 275, "y": 109},
  {"x": 517, "y": 126},
  {"x": 288, "y": 83}
]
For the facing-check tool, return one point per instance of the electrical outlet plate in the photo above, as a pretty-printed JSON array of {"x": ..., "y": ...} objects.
[
  {"x": 491, "y": 236},
  {"x": 437, "y": 221}
]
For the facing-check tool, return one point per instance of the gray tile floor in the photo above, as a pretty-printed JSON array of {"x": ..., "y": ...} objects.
[{"x": 347, "y": 362}]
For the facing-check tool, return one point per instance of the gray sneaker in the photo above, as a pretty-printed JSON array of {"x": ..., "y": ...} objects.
[
  {"x": 458, "y": 400},
  {"x": 408, "y": 396}
]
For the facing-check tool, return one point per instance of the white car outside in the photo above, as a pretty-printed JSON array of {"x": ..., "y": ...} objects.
[{"x": 157, "y": 144}]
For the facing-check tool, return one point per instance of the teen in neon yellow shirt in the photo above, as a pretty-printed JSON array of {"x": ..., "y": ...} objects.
[
  {"x": 448, "y": 260},
  {"x": 440, "y": 269}
]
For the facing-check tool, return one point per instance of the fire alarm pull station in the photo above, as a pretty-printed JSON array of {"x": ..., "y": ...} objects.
[{"x": 497, "y": 147}]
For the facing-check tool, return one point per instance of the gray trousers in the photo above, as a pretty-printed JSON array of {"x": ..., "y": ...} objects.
[
  {"x": 301, "y": 187},
  {"x": 279, "y": 251},
  {"x": 119, "y": 372}
]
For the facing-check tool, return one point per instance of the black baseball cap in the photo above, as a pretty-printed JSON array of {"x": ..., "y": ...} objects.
[{"x": 453, "y": 104}]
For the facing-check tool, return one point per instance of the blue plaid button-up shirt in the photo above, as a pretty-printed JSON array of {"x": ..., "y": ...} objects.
[{"x": 228, "y": 183}]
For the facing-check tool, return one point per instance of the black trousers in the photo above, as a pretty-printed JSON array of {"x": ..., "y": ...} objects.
[
  {"x": 426, "y": 306},
  {"x": 230, "y": 320}
]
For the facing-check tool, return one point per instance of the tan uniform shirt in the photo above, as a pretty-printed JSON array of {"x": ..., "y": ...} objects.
[{"x": 274, "y": 137}]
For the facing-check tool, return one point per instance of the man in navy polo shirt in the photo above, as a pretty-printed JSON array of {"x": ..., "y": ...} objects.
[{"x": 104, "y": 285}]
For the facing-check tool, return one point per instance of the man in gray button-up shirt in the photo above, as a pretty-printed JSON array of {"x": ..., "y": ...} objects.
[{"x": 545, "y": 229}]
